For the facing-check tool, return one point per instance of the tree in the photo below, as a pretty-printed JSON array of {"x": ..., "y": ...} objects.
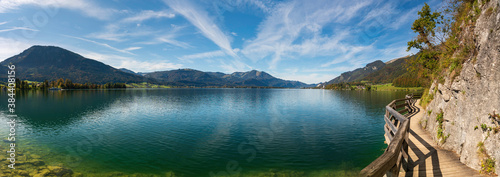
[
  {"x": 60, "y": 83},
  {"x": 45, "y": 85},
  {"x": 68, "y": 84},
  {"x": 425, "y": 27},
  {"x": 424, "y": 65}
]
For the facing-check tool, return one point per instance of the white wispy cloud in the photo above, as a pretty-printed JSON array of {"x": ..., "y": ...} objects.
[
  {"x": 265, "y": 6},
  {"x": 230, "y": 66},
  {"x": 85, "y": 6},
  {"x": 3, "y": 23},
  {"x": 10, "y": 47},
  {"x": 405, "y": 18},
  {"x": 308, "y": 78},
  {"x": 204, "y": 55},
  {"x": 149, "y": 14},
  {"x": 295, "y": 27},
  {"x": 120, "y": 33},
  {"x": 388, "y": 16},
  {"x": 393, "y": 51},
  {"x": 149, "y": 66},
  {"x": 169, "y": 37},
  {"x": 132, "y": 48},
  {"x": 17, "y": 28},
  {"x": 199, "y": 18},
  {"x": 380, "y": 14},
  {"x": 352, "y": 11},
  {"x": 98, "y": 43},
  {"x": 354, "y": 53}
]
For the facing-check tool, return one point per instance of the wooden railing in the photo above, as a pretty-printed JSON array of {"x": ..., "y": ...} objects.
[{"x": 397, "y": 126}]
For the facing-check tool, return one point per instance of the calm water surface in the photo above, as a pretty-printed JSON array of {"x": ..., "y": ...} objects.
[{"x": 198, "y": 132}]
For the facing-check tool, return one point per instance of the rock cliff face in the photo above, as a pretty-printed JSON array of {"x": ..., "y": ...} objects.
[{"x": 468, "y": 102}]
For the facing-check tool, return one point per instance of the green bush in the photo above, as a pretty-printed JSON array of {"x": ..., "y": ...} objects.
[
  {"x": 484, "y": 127},
  {"x": 440, "y": 119},
  {"x": 481, "y": 149},
  {"x": 426, "y": 98},
  {"x": 488, "y": 166},
  {"x": 440, "y": 130},
  {"x": 489, "y": 11}
]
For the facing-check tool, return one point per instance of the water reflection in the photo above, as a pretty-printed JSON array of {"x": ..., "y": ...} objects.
[
  {"x": 54, "y": 109},
  {"x": 197, "y": 131}
]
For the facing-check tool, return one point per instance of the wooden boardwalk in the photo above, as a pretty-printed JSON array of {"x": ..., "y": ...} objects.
[{"x": 426, "y": 158}]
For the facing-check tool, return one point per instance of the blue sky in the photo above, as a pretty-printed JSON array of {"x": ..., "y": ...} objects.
[{"x": 306, "y": 40}]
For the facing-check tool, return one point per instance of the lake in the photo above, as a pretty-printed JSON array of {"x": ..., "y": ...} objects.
[{"x": 200, "y": 132}]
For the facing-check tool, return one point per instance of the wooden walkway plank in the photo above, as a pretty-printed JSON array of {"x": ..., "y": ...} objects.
[{"x": 427, "y": 159}]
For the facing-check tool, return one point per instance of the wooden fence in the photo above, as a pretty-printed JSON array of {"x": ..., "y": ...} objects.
[{"x": 397, "y": 126}]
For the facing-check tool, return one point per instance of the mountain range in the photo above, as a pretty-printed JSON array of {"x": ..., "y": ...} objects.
[
  {"x": 39, "y": 63},
  {"x": 186, "y": 77},
  {"x": 374, "y": 72}
]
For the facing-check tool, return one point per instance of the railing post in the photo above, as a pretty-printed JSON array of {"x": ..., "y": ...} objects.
[
  {"x": 407, "y": 160},
  {"x": 405, "y": 148}
]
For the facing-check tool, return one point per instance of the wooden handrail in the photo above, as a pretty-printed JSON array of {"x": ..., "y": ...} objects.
[
  {"x": 396, "y": 132},
  {"x": 387, "y": 161}
]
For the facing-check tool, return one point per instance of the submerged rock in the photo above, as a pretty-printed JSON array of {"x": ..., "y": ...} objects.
[
  {"x": 37, "y": 162},
  {"x": 22, "y": 173},
  {"x": 170, "y": 174},
  {"x": 41, "y": 173},
  {"x": 59, "y": 171},
  {"x": 34, "y": 156}
]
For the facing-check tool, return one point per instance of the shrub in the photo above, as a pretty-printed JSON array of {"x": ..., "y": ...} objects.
[
  {"x": 440, "y": 130},
  {"x": 488, "y": 166},
  {"x": 439, "y": 118},
  {"x": 484, "y": 127},
  {"x": 489, "y": 11},
  {"x": 426, "y": 98},
  {"x": 481, "y": 149}
]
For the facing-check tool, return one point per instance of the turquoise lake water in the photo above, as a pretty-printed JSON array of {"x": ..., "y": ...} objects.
[{"x": 203, "y": 132}]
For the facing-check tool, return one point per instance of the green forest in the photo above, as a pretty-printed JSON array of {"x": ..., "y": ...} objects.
[{"x": 63, "y": 84}]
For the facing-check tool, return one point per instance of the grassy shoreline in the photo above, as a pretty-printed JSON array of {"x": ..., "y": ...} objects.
[{"x": 390, "y": 87}]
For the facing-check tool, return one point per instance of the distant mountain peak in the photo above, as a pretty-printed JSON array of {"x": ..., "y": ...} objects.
[
  {"x": 394, "y": 60},
  {"x": 39, "y": 63},
  {"x": 188, "y": 69},
  {"x": 48, "y": 50},
  {"x": 374, "y": 65},
  {"x": 253, "y": 74},
  {"x": 127, "y": 70}
]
